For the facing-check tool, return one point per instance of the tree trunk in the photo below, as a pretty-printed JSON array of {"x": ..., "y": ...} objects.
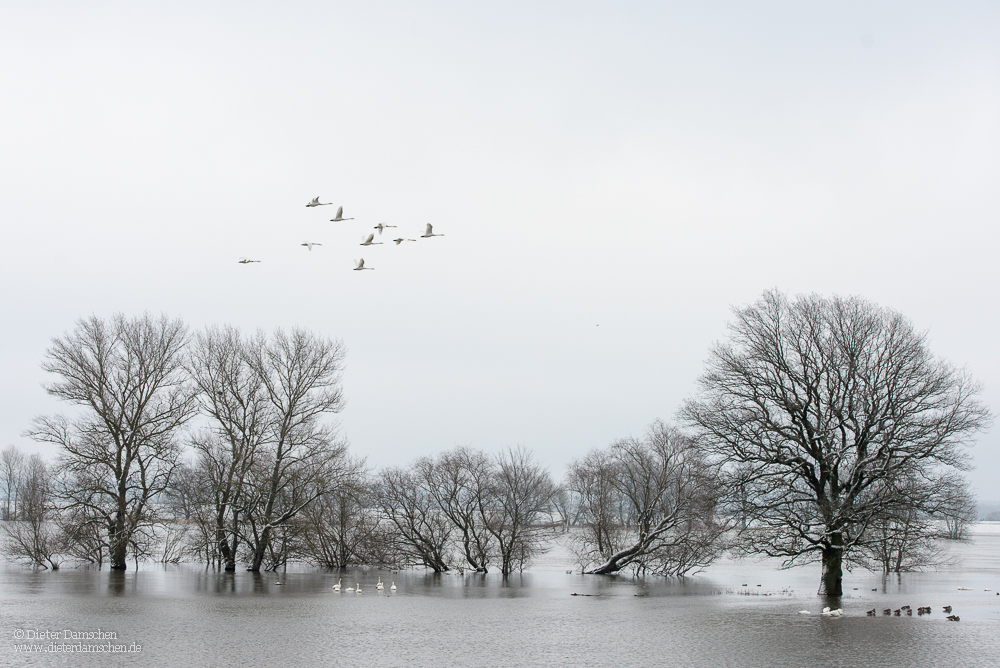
[
  {"x": 261, "y": 550},
  {"x": 831, "y": 583},
  {"x": 117, "y": 545}
]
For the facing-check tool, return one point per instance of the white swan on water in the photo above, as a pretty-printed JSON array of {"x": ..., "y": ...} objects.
[
  {"x": 336, "y": 587},
  {"x": 393, "y": 587}
]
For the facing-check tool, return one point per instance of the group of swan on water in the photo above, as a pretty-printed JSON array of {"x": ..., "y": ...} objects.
[
  {"x": 379, "y": 586},
  {"x": 368, "y": 240},
  {"x": 905, "y": 609}
]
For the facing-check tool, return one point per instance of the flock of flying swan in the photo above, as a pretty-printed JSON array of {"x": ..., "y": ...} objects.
[{"x": 366, "y": 240}]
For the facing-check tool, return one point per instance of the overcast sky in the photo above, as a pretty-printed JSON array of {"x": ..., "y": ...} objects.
[{"x": 610, "y": 178}]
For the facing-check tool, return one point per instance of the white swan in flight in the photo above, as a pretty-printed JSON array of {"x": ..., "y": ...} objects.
[
  {"x": 360, "y": 264},
  {"x": 315, "y": 202},
  {"x": 401, "y": 240},
  {"x": 367, "y": 241},
  {"x": 340, "y": 216},
  {"x": 243, "y": 260},
  {"x": 430, "y": 232},
  {"x": 310, "y": 244},
  {"x": 382, "y": 226}
]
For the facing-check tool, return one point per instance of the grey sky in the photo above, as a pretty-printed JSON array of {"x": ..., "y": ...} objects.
[{"x": 637, "y": 166}]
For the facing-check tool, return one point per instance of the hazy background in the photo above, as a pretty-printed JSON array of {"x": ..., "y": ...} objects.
[{"x": 611, "y": 178}]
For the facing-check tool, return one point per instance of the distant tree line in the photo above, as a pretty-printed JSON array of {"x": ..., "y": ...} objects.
[{"x": 823, "y": 429}]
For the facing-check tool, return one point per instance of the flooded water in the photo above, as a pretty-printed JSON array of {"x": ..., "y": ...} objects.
[{"x": 186, "y": 617}]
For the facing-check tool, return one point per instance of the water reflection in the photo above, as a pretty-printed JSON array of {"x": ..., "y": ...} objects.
[{"x": 187, "y": 616}]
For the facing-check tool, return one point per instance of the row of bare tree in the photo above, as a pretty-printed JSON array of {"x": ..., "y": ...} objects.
[{"x": 823, "y": 429}]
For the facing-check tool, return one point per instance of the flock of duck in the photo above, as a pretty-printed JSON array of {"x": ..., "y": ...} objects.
[
  {"x": 380, "y": 586},
  {"x": 898, "y": 612},
  {"x": 366, "y": 240}
]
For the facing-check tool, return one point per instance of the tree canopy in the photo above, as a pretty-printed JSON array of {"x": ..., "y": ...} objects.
[{"x": 819, "y": 408}]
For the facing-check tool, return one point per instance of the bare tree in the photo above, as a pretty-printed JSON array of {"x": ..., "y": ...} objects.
[
  {"x": 119, "y": 453},
  {"x": 458, "y": 480},
  {"x": 908, "y": 532},
  {"x": 232, "y": 394},
  {"x": 515, "y": 508},
  {"x": 300, "y": 457},
  {"x": 33, "y": 537},
  {"x": 11, "y": 472},
  {"x": 343, "y": 527},
  {"x": 181, "y": 496},
  {"x": 958, "y": 510},
  {"x": 651, "y": 505},
  {"x": 424, "y": 532},
  {"x": 815, "y": 406},
  {"x": 604, "y": 518}
]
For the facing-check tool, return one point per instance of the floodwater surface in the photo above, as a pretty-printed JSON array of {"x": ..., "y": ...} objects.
[{"x": 737, "y": 613}]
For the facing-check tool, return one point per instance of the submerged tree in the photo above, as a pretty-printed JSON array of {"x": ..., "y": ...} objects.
[
  {"x": 11, "y": 475},
  {"x": 459, "y": 481},
  {"x": 817, "y": 408},
  {"x": 232, "y": 395},
  {"x": 651, "y": 505},
  {"x": 423, "y": 532},
  {"x": 343, "y": 526},
  {"x": 300, "y": 456},
  {"x": 33, "y": 536},
  {"x": 516, "y": 508},
  {"x": 127, "y": 378}
]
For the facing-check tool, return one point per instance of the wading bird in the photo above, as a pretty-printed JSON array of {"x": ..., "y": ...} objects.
[
  {"x": 401, "y": 240},
  {"x": 315, "y": 202},
  {"x": 367, "y": 241},
  {"x": 382, "y": 226},
  {"x": 243, "y": 260},
  {"x": 360, "y": 264},
  {"x": 430, "y": 232},
  {"x": 309, "y": 244},
  {"x": 340, "y": 216}
]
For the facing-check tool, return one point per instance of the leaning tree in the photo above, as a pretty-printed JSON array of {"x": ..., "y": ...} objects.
[
  {"x": 818, "y": 408},
  {"x": 649, "y": 504}
]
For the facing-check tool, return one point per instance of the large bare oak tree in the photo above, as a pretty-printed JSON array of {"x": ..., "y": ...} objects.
[{"x": 818, "y": 407}]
